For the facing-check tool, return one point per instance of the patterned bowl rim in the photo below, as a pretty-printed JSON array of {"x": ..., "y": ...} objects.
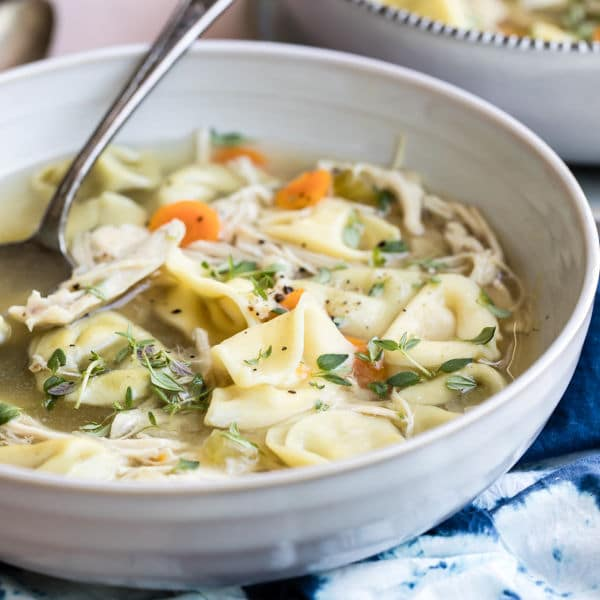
[{"x": 405, "y": 18}]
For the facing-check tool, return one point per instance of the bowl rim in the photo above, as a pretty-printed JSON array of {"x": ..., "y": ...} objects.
[
  {"x": 334, "y": 59},
  {"x": 405, "y": 18}
]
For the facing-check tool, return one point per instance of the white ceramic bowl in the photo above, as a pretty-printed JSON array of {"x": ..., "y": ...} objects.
[
  {"x": 289, "y": 522},
  {"x": 552, "y": 87}
]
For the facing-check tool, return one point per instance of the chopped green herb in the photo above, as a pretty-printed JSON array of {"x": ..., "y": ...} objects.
[
  {"x": 485, "y": 336},
  {"x": 321, "y": 406},
  {"x": 94, "y": 291},
  {"x": 385, "y": 344},
  {"x": 377, "y": 289},
  {"x": 262, "y": 355},
  {"x": 330, "y": 362},
  {"x": 384, "y": 200},
  {"x": 381, "y": 388},
  {"x": 461, "y": 383},
  {"x": 230, "y": 138},
  {"x": 8, "y": 413},
  {"x": 185, "y": 464},
  {"x": 353, "y": 231},
  {"x": 233, "y": 434},
  {"x": 405, "y": 344},
  {"x": 403, "y": 379},
  {"x": 487, "y": 302},
  {"x": 57, "y": 359},
  {"x": 455, "y": 364},
  {"x": 98, "y": 429},
  {"x": 333, "y": 378},
  {"x": 377, "y": 258},
  {"x": 323, "y": 275},
  {"x": 393, "y": 246},
  {"x": 128, "y": 398},
  {"x": 152, "y": 419},
  {"x": 317, "y": 385},
  {"x": 163, "y": 380},
  {"x": 434, "y": 279},
  {"x": 278, "y": 310}
]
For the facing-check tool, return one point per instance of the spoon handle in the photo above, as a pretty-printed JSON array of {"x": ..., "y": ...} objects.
[{"x": 189, "y": 21}]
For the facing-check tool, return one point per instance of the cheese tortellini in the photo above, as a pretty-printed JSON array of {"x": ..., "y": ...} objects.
[{"x": 223, "y": 320}]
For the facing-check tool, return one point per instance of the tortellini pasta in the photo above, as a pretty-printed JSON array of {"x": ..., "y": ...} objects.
[
  {"x": 107, "y": 209},
  {"x": 70, "y": 456},
  {"x": 118, "y": 169},
  {"x": 97, "y": 334},
  {"x": 331, "y": 435},
  {"x": 295, "y": 340},
  {"x": 325, "y": 228},
  {"x": 445, "y": 315}
]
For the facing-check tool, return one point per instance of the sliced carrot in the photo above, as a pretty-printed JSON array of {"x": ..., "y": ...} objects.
[
  {"x": 358, "y": 343},
  {"x": 291, "y": 300},
  {"x": 200, "y": 220},
  {"x": 596, "y": 35},
  {"x": 306, "y": 190},
  {"x": 223, "y": 155},
  {"x": 365, "y": 372}
]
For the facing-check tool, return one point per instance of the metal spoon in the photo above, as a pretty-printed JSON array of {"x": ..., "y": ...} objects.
[
  {"x": 25, "y": 31},
  {"x": 45, "y": 252}
]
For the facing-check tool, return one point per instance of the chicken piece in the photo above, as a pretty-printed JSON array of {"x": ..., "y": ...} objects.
[{"x": 104, "y": 282}]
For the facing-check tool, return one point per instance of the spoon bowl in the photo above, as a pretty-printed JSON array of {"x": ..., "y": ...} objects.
[{"x": 25, "y": 31}]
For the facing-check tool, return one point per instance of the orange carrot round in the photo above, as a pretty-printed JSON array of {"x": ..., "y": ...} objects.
[
  {"x": 306, "y": 190},
  {"x": 596, "y": 35},
  {"x": 291, "y": 300},
  {"x": 365, "y": 372},
  {"x": 223, "y": 155},
  {"x": 200, "y": 220}
]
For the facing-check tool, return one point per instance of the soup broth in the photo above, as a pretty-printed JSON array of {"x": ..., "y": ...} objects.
[{"x": 238, "y": 308}]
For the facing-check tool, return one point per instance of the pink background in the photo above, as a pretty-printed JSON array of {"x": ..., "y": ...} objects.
[{"x": 87, "y": 24}]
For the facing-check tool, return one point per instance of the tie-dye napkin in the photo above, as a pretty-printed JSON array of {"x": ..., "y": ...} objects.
[{"x": 533, "y": 535}]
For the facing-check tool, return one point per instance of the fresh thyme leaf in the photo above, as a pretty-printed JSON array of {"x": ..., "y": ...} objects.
[
  {"x": 61, "y": 389},
  {"x": 94, "y": 291},
  {"x": 455, "y": 364},
  {"x": 403, "y": 379},
  {"x": 393, "y": 246},
  {"x": 152, "y": 419},
  {"x": 384, "y": 200},
  {"x": 123, "y": 353},
  {"x": 52, "y": 382},
  {"x": 407, "y": 343},
  {"x": 333, "y": 378},
  {"x": 323, "y": 275},
  {"x": 485, "y": 336},
  {"x": 230, "y": 138},
  {"x": 233, "y": 434},
  {"x": 321, "y": 406},
  {"x": 461, "y": 383},
  {"x": 330, "y": 362},
  {"x": 180, "y": 368},
  {"x": 161, "y": 395},
  {"x": 377, "y": 289},
  {"x": 98, "y": 429},
  {"x": 487, "y": 302},
  {"x": 8, "y": 413},
  {"x": 381, "y": 388},
  {"x": 385, "y": 344},
  {"x": 377, "y": 257},
  {"x": 128, "y": 398},
  {"x": 278, "y": 310},
  {"x": 363, "y": 356},
  {"x": 185, "y": 464},
  {"x": 316, "y": 384},
  {"x": 164, "y": 381},
  {"x": 262, "y": 355},
  {"x": 353, "y": 231},
  {"x": 57, "y": 359},
  {"x": 434, "y": 279}
]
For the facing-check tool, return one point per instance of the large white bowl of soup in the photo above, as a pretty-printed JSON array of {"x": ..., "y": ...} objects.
[
  {"x": 538, "y": 60},
  {"x": 320, "y": 303}
]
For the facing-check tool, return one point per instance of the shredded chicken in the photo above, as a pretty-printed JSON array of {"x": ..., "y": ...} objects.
[{"x": 99, "y": 285}]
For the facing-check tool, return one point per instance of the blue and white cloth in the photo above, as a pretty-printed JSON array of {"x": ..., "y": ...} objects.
[{"x": 533, "y": 535}]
